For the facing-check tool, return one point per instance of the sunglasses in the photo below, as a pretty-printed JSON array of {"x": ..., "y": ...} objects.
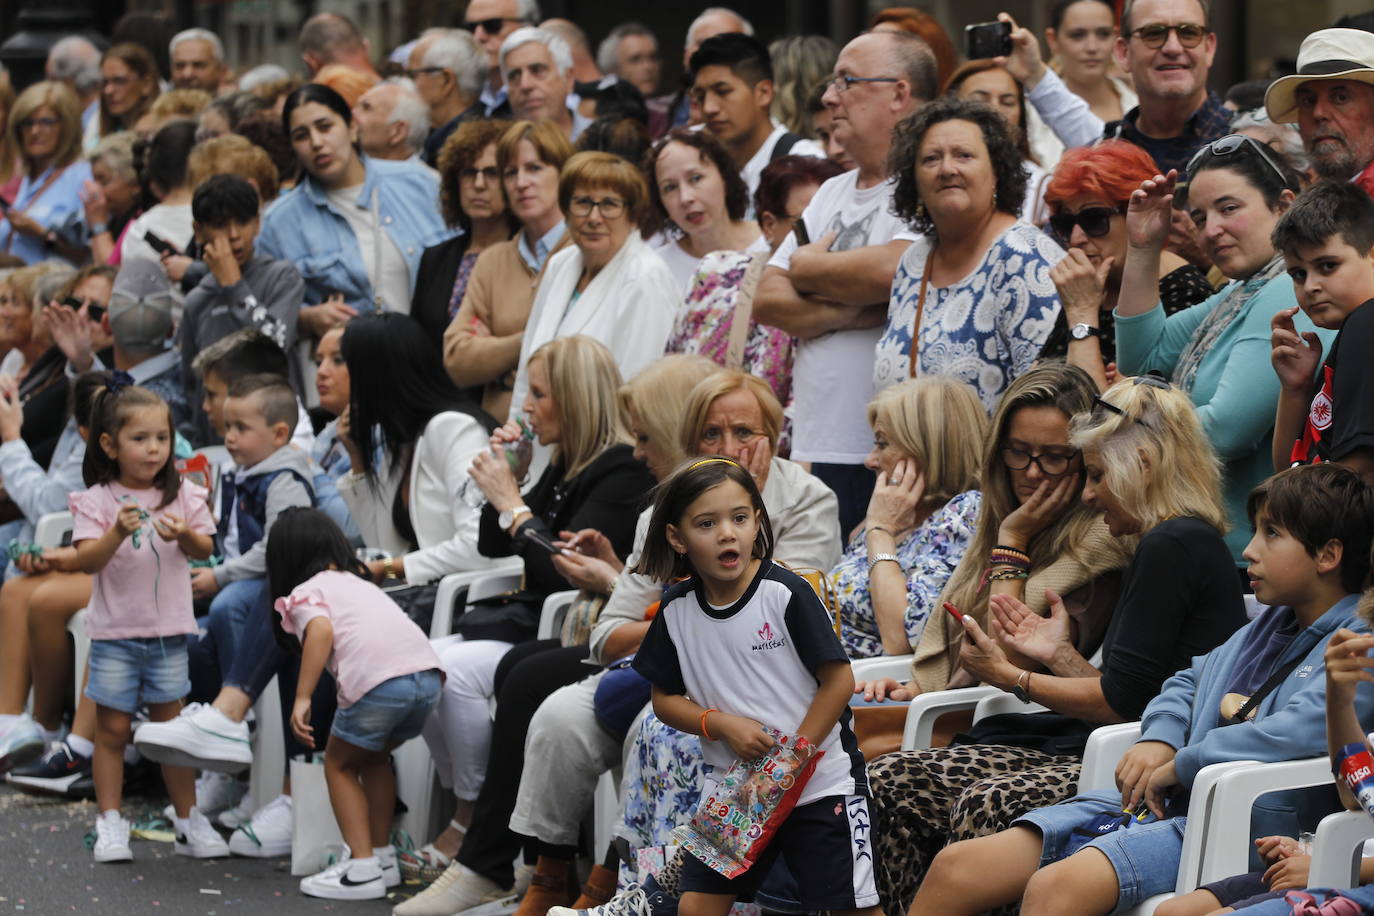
[
  {"x": 1153, "y": 379},
  {"x": 1155, "y": 34},
  {"x": 93, "y": 312},
  {"x": 1095, "y": 222},
  {"x": 490, "y": 26},
  {"x": 1232, "y": 144}
]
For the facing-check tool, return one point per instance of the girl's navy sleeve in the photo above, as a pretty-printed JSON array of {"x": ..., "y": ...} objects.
[{"x": 657, "y": 657}]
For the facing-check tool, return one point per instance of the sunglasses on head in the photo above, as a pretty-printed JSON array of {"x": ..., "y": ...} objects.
[
  {"x": 1095, "y": 222},
  {"x": 1230, "y": 145},
  {"x": 1153, "y": 379}
]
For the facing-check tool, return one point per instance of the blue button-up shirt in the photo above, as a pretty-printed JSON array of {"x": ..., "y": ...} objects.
[
  {"x": 59, "y": 204},
  {"x": 304, "y": 228},
  {"x": 535, "y": 258}
]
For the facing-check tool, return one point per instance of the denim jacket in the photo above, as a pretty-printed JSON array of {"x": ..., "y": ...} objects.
[{"x": 304, "y": 228}]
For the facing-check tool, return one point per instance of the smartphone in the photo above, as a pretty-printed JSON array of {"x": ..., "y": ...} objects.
[
  {"x": 537, "y": 539},
  {"x": 799, "y": 229},
  {"x": 954, "y": 612},
  {"x": 987, "y": 39},
  {"x": 159, "y": 244}
]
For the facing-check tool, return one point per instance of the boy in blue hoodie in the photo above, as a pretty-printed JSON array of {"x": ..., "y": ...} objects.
[{"x": 1259, "y": 696}]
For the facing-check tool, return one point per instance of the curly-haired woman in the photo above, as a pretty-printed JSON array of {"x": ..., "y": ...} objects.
[{"x": 973, "y": 297}]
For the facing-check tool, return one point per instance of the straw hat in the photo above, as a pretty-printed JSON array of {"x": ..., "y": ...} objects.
[{"x": 1327, "y": 54}]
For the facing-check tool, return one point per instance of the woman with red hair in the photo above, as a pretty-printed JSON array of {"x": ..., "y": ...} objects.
[
  {"x": 1087, "y": 196},
  {"x": 918, "y": 22}
]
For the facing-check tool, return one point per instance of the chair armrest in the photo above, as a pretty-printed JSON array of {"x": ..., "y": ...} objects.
[
  {"x": 551, "y": 617},
  {"x": 1001, "y": 703},
  {"x": 927, "y": 707},
  {"x": 1106, "y": 746},
  {"x": 441, "y": 624},
  {"x": 897, "y": 667},
  {"x": 1337, "y": 849}
]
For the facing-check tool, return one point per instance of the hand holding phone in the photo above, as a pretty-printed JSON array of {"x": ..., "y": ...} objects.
[
  {"x": 159, "y": 244},
  {"x": 537, "y": 538},
  {"x": 984, "y": 40}
]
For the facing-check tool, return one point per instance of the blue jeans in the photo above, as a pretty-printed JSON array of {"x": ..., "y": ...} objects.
[
  {"x": 393, "y": 711},
  {"x": 128, "y": 673},
  {"x": 215, "y": 647}
]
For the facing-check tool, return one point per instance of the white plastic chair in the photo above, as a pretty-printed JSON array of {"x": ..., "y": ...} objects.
[
  {"x": 269, "y": 748},
  {"x": 1337, "y": 850},
  {"x": 502, "y": 576},
  {"x": 551, "y": 617},
  {"x": 1106, "y": 746},
  {"x": 897, "y": 667},
  {"x": 55, "y": 530}
]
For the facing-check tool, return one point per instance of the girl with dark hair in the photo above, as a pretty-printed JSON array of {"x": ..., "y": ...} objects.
[
  {"x": 162, "y": 171},
  {"x": 135, "y": 528},
  {"x": 354, "y": 226},
  {"x": 1236, "y": 190},
  {"x": 699, "y": 202},
  {"x": 972, "y": 298},
  {"x": 388, "y": 682}
]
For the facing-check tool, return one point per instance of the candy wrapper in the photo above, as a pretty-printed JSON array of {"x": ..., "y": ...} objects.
[{"x": 735, "y": 823}]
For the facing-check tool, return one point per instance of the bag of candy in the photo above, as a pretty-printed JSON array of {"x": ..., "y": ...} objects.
[{"x": 737, "y": 820}]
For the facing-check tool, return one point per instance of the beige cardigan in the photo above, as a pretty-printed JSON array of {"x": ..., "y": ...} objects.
[
  {"x": 500, "y": 293},
  {"x": 937, "y": 654}
]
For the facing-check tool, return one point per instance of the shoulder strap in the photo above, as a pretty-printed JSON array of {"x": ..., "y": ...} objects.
[
  {"x": 744, "y": 311},
  {"x": 784, "y": 145},
  {"x": 34, "y": 198},
  {"x": 1277, "y": 677}
]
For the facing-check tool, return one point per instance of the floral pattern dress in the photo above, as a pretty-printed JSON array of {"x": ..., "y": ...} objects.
[
  {"x": 703, "y": 324},
  {"x": 929, "y": 555},
  {"x": 985, "y": 329}
]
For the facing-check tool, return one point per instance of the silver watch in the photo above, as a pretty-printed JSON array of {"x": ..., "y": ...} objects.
[{"x": 1083, "y": 331}]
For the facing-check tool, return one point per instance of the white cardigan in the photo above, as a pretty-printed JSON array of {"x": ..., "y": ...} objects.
[
  {"x": 445, "y": 526},
  {"x": 630, "y": 306}
]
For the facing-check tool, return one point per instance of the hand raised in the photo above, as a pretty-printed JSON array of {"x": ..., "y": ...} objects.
[
  {"x": 1296, "y": 358},
  {"x": 1149, "y": 213}
]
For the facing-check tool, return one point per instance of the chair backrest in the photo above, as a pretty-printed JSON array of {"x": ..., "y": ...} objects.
[
  {"x": 1106, "y": 746},
  {"x": 493, "y": 585}
]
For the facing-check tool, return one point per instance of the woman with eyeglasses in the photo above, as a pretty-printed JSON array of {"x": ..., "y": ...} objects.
[
  {"x": 471, "y": 197},
  {"x": 1152, "y": 476},
  {"x": 1214, "y": 351},
  {"x": 608, "y": 284},
  {"x": 41, "y": 222},
  {"x": 128, "y": 87},
  {"x": 482, "y": 342},
  {"x": 1087, "y": 196},
  {"x": 972, "y": 296}
]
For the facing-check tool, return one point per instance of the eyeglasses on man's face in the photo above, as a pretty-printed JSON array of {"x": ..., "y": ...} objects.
[{"x": 1155, "y": 34}]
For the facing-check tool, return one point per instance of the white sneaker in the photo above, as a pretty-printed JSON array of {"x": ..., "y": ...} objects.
[
  {"x": 216, "y": 792},
  {"x": 268, "y": 834},
  {"x": 239, "y": 815},
  {"x": 201, "y": 737},
  {"x": 112, "y": 838},
  {"x": 459, "y": 888},
  {"x": 391, "y": 869},
  {"x": 21, "y": 740},
  {"x": 199, "y": 839},
  {"x": 351, "y": 879}
]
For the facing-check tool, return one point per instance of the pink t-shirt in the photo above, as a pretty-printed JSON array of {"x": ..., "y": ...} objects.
[
  {"x": 145, "y": 591},
  {"x": 374, "y": 640}
]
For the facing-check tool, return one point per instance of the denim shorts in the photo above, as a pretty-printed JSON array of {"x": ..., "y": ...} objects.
[
  {"x": 129, "y": 673},
  {"x": 1145, "y": 855},
  {"x": 393, "y": 711}
]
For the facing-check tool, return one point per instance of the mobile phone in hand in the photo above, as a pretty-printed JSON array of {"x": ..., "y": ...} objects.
[
  {"x": 158, "y": 243},
  {"x": 987, "y": 39},
  {"x": 537, "y": 539},
  {"x": 799, "y": 229}
]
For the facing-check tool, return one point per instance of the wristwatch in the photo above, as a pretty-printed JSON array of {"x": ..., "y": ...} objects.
[
  {"x": 1083, "y": 331},
  {"x": 508, "y": 516}
]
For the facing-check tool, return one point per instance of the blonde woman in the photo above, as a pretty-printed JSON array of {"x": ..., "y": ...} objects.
[
  {"x": 44, "y": 126},
  {"x": 593, "y": 481},
  {"x": 927, "y": 448},
  {"x": 1152, "y": 475}
]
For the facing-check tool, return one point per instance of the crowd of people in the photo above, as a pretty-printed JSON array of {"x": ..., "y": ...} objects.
[{"x": 1040, "y": 373}]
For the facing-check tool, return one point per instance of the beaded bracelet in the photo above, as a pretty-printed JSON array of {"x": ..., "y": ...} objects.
[
  {"x": 1002, "y": 548},
  {"x": 1006, "y": 557},
  {"x": 1003, "y": 573}
]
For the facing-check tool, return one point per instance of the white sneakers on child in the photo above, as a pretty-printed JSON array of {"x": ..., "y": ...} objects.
[
  {"x": 268, "y": 834},
  {"x": 197, "y": 838},
  {"x": 112, "y": 838},
  {"x": 201, "y": 737},
  {"x": 351, "y": 879}
]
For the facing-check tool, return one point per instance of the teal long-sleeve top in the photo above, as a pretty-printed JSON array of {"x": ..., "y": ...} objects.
[{"x": 1236, "y": 391}]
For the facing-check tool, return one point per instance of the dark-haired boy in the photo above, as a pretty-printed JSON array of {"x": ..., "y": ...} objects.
[
  {"x": 732, "y": 83},
  {"x": 1327, "y": 241},
  {"x": 243, "y": 288},
  {"x": 1258, "y": 696}
]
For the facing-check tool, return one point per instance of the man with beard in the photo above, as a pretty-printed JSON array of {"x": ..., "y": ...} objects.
[{"x": 1331, "y": 98}]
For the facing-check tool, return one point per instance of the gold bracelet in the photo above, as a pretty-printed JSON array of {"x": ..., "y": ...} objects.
[{"x": 389, "y": 568}]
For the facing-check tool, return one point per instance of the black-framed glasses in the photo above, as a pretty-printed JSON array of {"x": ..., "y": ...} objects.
[
  {"x": 1051, "y": 464},
  {"x": 1155, "y": 34},
  {"x": 421, "y": 71},
  {"x": 1153, "y": 379},
  {"x": 610, "y": 207},
  {"x": 490, "y": 26},
  {"x": 1231, "y": 144},
  {"x": 845, "y": 82},
  {"x": 1095, "y": 221}
]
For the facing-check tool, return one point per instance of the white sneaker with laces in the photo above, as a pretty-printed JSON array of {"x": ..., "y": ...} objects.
[
  {"x": 351, "y": 879},
  {"x": 239, "y": 815},
  {"x": 201, "y": 737},
  {"x": 459, "y": 888},
  {"x": 112, "y": 838},
  {"x": 198, "y": 838},
  {"x": 268, "y": 834}
]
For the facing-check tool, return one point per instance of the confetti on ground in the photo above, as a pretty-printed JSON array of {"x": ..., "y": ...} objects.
[{"x": 210, "y": 890}]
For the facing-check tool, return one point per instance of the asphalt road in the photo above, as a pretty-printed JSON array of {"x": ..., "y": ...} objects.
[{"x": 45, "y": 869}]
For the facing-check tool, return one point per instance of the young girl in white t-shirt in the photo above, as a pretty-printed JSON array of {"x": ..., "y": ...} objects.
[
  {"x": 134, "y": 529},
  {"x": 388, "y": 681},
  {"x": 742, "y": 644}
]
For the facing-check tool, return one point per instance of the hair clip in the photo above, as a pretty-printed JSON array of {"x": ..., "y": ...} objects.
[
  {"x": 119, "y": 380},
  {"x": 698, "y": 464}
]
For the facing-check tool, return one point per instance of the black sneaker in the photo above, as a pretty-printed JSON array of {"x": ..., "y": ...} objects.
[{"x": 57, "y": 772}]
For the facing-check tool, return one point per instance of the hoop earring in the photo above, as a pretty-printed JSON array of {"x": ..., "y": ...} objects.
[{"x": 920, "y": 211}]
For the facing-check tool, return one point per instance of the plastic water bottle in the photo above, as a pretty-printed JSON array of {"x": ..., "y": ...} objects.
[{"x": 517, "y": 453}]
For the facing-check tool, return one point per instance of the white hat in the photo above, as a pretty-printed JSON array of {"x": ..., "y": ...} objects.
[{"x": 1327, "y": 54}]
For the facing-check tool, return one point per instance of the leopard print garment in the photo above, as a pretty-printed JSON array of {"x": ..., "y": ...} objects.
[{"x": 922, "y": 800}]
